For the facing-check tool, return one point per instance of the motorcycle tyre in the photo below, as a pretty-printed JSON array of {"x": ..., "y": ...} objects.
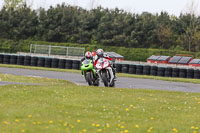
[
  {"x": 88, "y": 78},
  {"x": 105, "y": 79}
]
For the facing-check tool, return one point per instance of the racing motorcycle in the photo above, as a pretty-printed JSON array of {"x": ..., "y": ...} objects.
[
  {"x": 105, "y": 72},
  {"x": 89, "y": 72}
]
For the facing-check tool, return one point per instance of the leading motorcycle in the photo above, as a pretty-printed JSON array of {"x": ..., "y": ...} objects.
[{"x": 105, "y": 72}]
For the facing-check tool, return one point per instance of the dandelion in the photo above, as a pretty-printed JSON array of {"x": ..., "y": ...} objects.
[
  {"x": 192, "y": 127},
  {"x": 50, "y": 122},
  {"x": 84, "y": 130},
  {"x": 66, "y": 113},
  {"x": 198, "y": 102},
  {"x": 34, "y": 123},
  {"x": 107, "y": 125},
  {"x": 98, "y": 125},
  {"x": 136, "y": 126},
  {"x": 122, "y": 127},
  {"x": 78, "y": 121},
  {"x": 197, "y": 128},
  {"x": 126, "y": 131},
  {"x": 72, "y": 126},
  {"x": 22, "y": 131},
  {"x": 150, "y": 95},
  {"x": 151, "y": 118},
  {"x": 39, "y": 123},
  {"x": 99, "y": 130},
  {"x": 194, "y": 131},
  {"x": 127, "y": 109},
  {"x": 175, "y": 130},
  {"x": 148, "y": 130},
  {"x": 5, "y": 122},
  {"x": 46, "y": 127},
  {"x": 16, "y": 120},
  {"x": 29, "y": 116},
  {"x": 93, "y": 124}
]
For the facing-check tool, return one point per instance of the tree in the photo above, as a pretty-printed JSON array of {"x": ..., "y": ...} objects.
[{"x": 15, "y": 4}]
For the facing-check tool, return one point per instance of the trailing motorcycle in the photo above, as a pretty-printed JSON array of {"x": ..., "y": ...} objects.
[
  {"x": 105, "y": 72},
  {"x": 89, "y": 72}
]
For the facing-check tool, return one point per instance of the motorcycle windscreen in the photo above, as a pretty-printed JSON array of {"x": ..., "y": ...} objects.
[{"x": 86, "y": 62}]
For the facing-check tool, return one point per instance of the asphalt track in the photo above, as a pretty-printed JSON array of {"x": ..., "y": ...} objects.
[{"x": 121, "y": 82}]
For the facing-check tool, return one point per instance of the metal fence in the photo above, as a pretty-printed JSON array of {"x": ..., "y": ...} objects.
[{"x": 56, "y": 50}]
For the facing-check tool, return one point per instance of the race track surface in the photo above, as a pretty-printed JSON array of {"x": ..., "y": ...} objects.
[{"x": 120, "y": 83}]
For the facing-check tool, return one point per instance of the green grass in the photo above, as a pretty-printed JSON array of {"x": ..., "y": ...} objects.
[
  {"x": 185, "y": 80},
  {"x": 59, "y": 106}
]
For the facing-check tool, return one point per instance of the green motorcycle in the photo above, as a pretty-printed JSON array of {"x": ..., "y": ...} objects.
[{"x": 89, "y": 72}]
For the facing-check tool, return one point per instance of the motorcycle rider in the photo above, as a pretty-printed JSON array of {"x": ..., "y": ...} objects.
[
  {"x": 100, "y": 54},
  {"x": 88, "y": 55}
]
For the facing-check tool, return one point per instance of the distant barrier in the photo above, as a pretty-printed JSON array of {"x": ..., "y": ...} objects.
[{"x": 120, "y": 67}]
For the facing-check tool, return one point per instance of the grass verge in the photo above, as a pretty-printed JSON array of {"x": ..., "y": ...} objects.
[
  {"x": 60, "y": 106},
  {"x": 185, "y": 80}
]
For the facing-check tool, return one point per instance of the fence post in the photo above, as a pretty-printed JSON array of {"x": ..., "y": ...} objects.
[
  {"x": 49, "y": 53},
  {"x": 67, "y": 54}
]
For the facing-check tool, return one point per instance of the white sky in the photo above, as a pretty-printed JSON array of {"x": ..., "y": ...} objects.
[{"x": 174, "y": 7}]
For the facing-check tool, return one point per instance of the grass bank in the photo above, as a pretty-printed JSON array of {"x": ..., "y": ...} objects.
[{"x": 60, "y": 106}]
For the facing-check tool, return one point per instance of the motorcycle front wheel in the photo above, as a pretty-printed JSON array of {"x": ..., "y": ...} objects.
[
  {"x": 88, "y": 78},
  {"x": 104, "y": 78}
]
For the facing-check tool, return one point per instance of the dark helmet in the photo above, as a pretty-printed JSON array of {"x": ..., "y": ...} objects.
[
  {"x": 100, "y": 52},
  {"x": 88, "y": 55}
]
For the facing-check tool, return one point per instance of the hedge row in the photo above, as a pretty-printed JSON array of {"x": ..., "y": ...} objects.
[
  {"x": 158, "y": 71},
  {"x": 39, "y": 61},
  {"x": 135, "y": 54}
]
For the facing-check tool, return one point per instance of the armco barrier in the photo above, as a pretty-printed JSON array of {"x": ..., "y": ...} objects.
[{"x": 75, "y": 64}]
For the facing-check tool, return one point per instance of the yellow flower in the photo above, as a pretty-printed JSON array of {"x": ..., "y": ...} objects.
[
  {"x": 97, "y": 125},
  {"x": 50, "y": 122},
  {"x": 131, "y": 105},
  {"x": 127, "y": 109},
  {"x": 78, "y": 121},
  {"x": 16, "y": 120},
  {"x": 66, "y": 113},
  {"x": 84, "y": 130},
  {"x": 148, "y": 130},
  {"x": 39, "y": 123},
  {"x": 34, "y": 123},
  {"x": 65, "y": 124},
  {"x": 136, "y": 126},
  {"x": 122, "y": 127},
  {"x": 5, "y": 122},
  {"x": 194, "y": 131},
  {"x": 93, "y": 124},
  {"x": 152, "y": 118},
  {"x": 47, "y": 127},
  {"x": 175, "y": 130},
  {"x": 198, "y": 102},
  {"x": 107, "y": 125},
  {"x": 126, "y": 131},
  {"x": 29, "y": 116},
  {"x": 192, "y": 127},
  {"x": 150, "y": 95},
  {"x": 99, "y": 130},
  {"x": 22, "y": 131},
  {"x": 197, "y": 128}
]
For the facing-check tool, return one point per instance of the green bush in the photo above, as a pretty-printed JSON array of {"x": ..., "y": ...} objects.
[{"x": 135, "y": 54}]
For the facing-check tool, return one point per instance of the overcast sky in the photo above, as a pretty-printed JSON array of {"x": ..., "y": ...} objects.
[{"x": 174, "y": 7}]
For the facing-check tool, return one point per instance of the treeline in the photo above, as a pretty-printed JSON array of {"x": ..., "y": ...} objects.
[{"x": 102, "y": 27}]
